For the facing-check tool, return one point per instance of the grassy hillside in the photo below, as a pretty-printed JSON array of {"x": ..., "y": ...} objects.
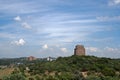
[
  {"x": 5, "y": 72},
  {"x": 75, "y": 67},
  {"x": 71, "y": 68}
]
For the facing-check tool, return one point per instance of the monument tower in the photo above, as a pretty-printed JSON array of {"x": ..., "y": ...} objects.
[{"x": 79, "y": 50}]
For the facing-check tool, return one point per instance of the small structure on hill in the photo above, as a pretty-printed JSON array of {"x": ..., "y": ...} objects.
[
  {"x": 79, "y": 50},
  {"x": 50, "y": 58},
  {"x": 31, "y": 58}
]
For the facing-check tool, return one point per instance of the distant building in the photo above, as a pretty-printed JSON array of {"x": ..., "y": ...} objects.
[
  {"x": 31, "y": 58},
  {"x": 79, "y": 50},
  {"x": 50, "y": 58}
]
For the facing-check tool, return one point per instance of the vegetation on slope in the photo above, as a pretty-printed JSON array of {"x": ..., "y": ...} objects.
[
  {"x": 5, "y": 72},
  {"x": 72, "y": 68}
]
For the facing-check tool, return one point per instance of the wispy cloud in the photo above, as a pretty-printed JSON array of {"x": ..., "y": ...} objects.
[
  {"x": 108, "y": 18},
  {"x": 92, "y": 49},
  {"x": 103, "y": 52},
  {"x": 64, "y": 27},
  {"x": 44, "y": 24},
  {"x": 13, "y": 7},
  {"x": 110, "y": 49},
  {"x": 114, "y": 2},
  {"x": 18, "y": 7},
  {"x": 6, "y": 35},
  {"x": 26, "y": 25}
]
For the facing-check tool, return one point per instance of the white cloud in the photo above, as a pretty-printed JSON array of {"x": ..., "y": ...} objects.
[
  {"x": 117, "y": 1},
  {"x": 64, "y": 50},
  {"x": 103, "y": 52},
  {"x": 17, "y": 18},
  {"x": 92, "y": 49},
  {"x": 114, "y": 2},
  {"x": 26, "y": 25},
  {"x": 26, "y": 7},
  {"x": 18, "y": 7},
  {"x": 55, "y": 51},
  {"x": 109, "y": 49},
  {"x": 108, "y": 18},
  {"x": 20, "y": 42},
  {"x": 54, "y": 48},
  {"x": 64, "y": 27},
  {"x": 45, "y": 46},
  {"x": 23, "y": 24}
]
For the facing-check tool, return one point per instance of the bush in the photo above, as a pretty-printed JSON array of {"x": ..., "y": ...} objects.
[
  {"x": 14, "y": 77},
  {"x": 93, "y": 78},
  {"x": 108, "y": 72}
]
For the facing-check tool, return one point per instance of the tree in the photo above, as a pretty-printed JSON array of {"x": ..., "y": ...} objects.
[
  {"x": 92, "y": 77},
  {"x": 108, "y": 72},
  {"x": 14, "y": 77}
]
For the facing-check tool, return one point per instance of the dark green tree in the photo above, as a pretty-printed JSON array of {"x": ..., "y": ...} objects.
[{"x": 14, "y": 77}]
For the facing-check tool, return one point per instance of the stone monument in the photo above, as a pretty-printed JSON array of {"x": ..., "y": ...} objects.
[
  {"x": 79, "y": 50},
  {"x": 31, "y": 58}
]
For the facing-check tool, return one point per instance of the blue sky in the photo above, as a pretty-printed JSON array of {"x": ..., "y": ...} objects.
[{"x": 43, "y": 28}]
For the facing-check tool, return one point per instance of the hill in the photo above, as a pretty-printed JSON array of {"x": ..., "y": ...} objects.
[
  {"x": 76, "y": 68},
  {"x": 70, "y": 68}
]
